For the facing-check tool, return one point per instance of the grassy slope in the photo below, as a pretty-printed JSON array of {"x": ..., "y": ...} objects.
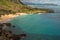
[{"x": 13, "y": 6}]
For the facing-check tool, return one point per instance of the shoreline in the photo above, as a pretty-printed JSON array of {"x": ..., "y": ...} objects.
[{"x": 6, "y": 18}]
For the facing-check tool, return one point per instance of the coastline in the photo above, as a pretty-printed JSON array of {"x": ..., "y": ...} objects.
[{"x": 6, "y": 18}]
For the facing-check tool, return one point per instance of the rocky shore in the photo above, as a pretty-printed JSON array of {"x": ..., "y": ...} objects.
[{"x": 7, "y": 34}]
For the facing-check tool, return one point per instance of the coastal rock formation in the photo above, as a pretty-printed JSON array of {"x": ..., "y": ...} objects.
[{"x": 7, "y": 34}]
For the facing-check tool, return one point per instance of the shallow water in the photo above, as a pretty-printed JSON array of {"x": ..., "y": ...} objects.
[{"x": 38, "y": 26}]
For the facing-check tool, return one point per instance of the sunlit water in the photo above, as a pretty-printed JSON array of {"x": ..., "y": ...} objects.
[{"x": 38, "y": 26}]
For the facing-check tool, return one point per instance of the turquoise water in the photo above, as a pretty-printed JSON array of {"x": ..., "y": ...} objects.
[{"x": 38, "y": 26}]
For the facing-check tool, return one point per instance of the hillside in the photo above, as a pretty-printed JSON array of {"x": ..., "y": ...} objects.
[{"x": 14, "y": 6}]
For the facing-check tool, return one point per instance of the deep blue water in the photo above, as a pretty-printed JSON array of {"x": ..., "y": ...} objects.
[{"x": 38, "y": 26}]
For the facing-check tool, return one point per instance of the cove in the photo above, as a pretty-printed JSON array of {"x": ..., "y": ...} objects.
[{"x": 38, "y": 26}]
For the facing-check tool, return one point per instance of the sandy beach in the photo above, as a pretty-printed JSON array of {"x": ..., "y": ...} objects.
[{"x": 5, "y": 18}]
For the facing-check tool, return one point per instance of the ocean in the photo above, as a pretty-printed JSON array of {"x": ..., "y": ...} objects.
[
  {"x": 38, "y": 26},
  {"x": 44, "y": 26}
]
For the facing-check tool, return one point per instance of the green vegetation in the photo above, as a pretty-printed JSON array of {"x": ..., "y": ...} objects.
[{"x": 14, "y": 6}]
